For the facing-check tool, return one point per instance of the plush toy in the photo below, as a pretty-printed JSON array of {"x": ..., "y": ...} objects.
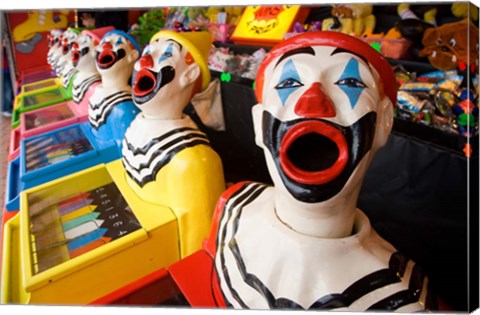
[
  {"x": 465, "y": 9},
  {"x": 429, "y": 15},
  {"x": 212, "y": 12},
  {"x": 451, "y": 45},
  {"x": 196, "y": 17},
  {"x": 233, "y": 14},
  {"x": 411, "y": 26},
  {"x": 353, "y": 19}
]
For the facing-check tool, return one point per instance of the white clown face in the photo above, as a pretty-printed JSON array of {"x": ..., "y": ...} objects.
[
  {"x": 55, "y": 44},
  {"x": 68, "y": 39},
  {"x": 83, "y": 52},
  {"x": 115, "y": 54},
  {"x": 65, "y": 60},
  {"x": 165, "y": 71},
  {"x": 320, "y": 118}
]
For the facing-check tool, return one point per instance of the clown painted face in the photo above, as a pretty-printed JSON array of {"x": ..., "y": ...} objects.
[
  {"x": 320, "y": 111},
  {"x": 65, "y": 60},
  {"x": 114, "y": 52},
  {"x": 68, "y": 39},
  {"x": 54, "y": 38},
  {"x": 54, "y": 42},
  {"x": 83, "y": 51},
  {"x": 164, "y": 70}
]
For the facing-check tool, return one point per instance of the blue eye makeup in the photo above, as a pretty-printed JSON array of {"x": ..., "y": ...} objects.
[
  {"x": 351, "y": 83},
  {"x": 119, "y": 41},
  {"x": 167, "y": 53},
  {"x": 289, "y": 81}
]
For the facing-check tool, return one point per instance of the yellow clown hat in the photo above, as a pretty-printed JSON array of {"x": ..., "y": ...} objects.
[{"x": 198, "y": 44}]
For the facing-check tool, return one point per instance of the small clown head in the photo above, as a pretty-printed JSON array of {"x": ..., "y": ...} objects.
[
  {"x": 68, "y": 38},
  {"x": 116, "y": 53},
  {"x": 55, "y": 44},
  {"x": 54, "y": 37},
  {"x": 83, "y": 50},
  {"x": 326, "y": 104},
  {"x": 173, "y": 68},
  {"x": 64, "y": 62}
]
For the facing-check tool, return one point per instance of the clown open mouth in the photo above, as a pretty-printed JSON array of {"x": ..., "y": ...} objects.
[
  {"x": 107, "y": 58},
  {"x": 75, "y": 57},
  {"x": 146, "y": 83},
  {"x": 315, "y": 158},
  {"x": 313, "y": 152}
]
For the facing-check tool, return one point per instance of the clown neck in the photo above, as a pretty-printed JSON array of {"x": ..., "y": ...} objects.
[
  {"x": 64, "y": 64},
  {"x": 170, "y": 110},
  {"x": 86, "y": 70},
  {"x": 161, "y": 114},
  {"x": 333, "y": 218},
  {"x": 115, "y": 81}
]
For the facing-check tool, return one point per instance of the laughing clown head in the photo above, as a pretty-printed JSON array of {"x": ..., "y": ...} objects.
[
  {"x": 326, "y": 105},
  {"x": 172, "y": 69},
  {"x": 116, "y": 53},
  {"x": 64, "y": 63},
  {"x": 83, "y": 50},
  {"x": 55, "y": 46}
]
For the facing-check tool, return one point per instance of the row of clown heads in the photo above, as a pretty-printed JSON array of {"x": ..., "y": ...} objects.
[{"x": 301, "y": 243}]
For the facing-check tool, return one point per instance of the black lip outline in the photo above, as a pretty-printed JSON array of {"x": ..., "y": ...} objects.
[
  {"x": 165, "y": 76},
  {"x": 153, "y": 75},
  {"x": 118, "y": 54},
  {"x": 359, "y": 137}
]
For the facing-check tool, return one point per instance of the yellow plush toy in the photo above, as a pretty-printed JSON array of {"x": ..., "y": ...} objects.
[
  {"x": 233, "y": 14},
  {"x": 212, "y": 12},
  {"x": 355, "y": 19},
  {"x": 465, "y": 9}
]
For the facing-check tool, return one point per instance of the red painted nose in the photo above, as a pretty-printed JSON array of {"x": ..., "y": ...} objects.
[
  {"x": 107, "y": 46},
  {"x": 146, "y": 61},
  {"x": 314, "y": 103}
]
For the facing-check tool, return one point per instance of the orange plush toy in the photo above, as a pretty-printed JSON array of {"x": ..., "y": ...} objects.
[{"x": 452, "y": 45}]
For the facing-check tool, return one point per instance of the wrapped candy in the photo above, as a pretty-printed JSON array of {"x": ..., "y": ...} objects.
[
  {"x": 409, "y": 102},
  {"x": 439, "y": 99},
  {"x": 417, "y": 87}
]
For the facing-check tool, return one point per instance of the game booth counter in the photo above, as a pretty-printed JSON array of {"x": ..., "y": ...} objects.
[
  {"x": 120, "y": 230},
  {"x": 66, "y": 113}
]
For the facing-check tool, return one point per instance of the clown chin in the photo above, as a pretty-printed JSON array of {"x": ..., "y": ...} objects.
[{"x": 315, "y": 158}]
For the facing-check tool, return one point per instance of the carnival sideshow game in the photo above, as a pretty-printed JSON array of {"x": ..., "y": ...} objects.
[{"x": 293, "y": 157}]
